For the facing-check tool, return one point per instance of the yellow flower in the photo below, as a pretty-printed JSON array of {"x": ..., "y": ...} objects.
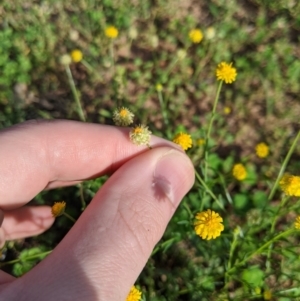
[
  {"x": 58, "y": 208},
  {"x": 227, "y": 110},
  {"x": 184, "y": 140},
  {"x": 262, "y": 150},
  {"x": 297, "y": 222},
  {"x": 267, "y": 295},
  {"x": 290, "y": 185},
  {"x": 123, "y": 117},
  {"x": 208, "y": 224},
  {"x": 257, "y": 290},
  {"x": 196, "y": 36},
  {"x": 200, "y": 141},
  {"x": 140, "y": 135},
  {"x": 76, "y": 56},
  {"x": 239, "y": 172},
  {"x": 226, "y": 73},
  {"x": 134, "y": 294},
  {"x": 158, "y": 87},
  {"x": 111, "y": 32}
]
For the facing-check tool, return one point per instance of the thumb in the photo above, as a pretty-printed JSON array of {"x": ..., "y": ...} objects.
[{"x": 103, "y": 254}]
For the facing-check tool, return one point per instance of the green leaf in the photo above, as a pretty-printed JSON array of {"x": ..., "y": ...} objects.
[
  {"x": 259, "y": 199},
  {"x": 253, "y": 277},
  {"x": 240, "y": 201}
]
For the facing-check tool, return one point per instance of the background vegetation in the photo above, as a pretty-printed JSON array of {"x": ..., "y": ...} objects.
[{"x": 261, "y": 38}]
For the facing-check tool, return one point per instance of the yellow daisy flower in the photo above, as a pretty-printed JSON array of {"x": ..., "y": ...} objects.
[
  {"x": 227, "y": 110},
  {"x": 196, "y": 36},
  {"x": 111, "y": 32},
  {"x": 140, "y": 135},
  {"x": 267, "y": 295},
  {"x": 58, "y": 208},
  {"x": 76, "y": 56},
  {"x": 123, "y": 117},
  {"x": 239, "y": 171},
  {"x": 297, "y": 222},
  {"x": 134, "y": 294},
  {"x": 158, "y": 87},
  {"x": 290, "y": 185},
  {"x": 208, "y": 224},
  {"x": 262, "y": 150},
  {"x": 226, "y": 73},
  {"x": 184, "y": 140}
]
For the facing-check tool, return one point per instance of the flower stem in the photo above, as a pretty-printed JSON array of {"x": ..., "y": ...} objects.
[
  {"x": 91, "y": 69},
  {"x": 83, "y": 202},
  {"x": 208, "y": 191},
  {"x": 163, "y": 108},
  {"x": 75, "y": 93},
  {"x": 69, "y": 217},
  {"x": 283, "y": 166},
  {"x": 25, "y": 258},
  {"x": 282, "y": 203},
  {"x": 209, "y": 130},
  {"x": 231, "y": 251},
  {"x": 262, "y": 248},
  {"x": 112, "y": 54}
]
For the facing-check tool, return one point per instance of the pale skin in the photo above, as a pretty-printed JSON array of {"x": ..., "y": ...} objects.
[{"x": 105, "y": 251}]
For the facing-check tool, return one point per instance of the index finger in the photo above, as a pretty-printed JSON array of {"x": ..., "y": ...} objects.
[{"x": 44, "y": 154}]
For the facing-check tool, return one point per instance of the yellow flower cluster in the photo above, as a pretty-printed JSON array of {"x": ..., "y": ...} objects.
[
  {"x": 226, "y": 73},
  {"x": 208, "y": 224},
  {"x": 134, "y": 294},
  {"x": 123, "y": 117},
  {"x": 111, "y": 32},
  {"x": 290, "y": 185},
  {"x": 297, "y": 222},
  {"x": 196, "y": 36},
  {"x": 184, "y": 140},
  {"x": 140, "y": 135},
  {"x": 76, "y": 56},
  {"x": 158, "y": 87},
  {"x": 239, "y": 171},
  {"x": 58, "y": 208},
  {"x": 227, "y": 110},
  {"x": 262, "y": 150},
  {"x": 267, "y": 295}
]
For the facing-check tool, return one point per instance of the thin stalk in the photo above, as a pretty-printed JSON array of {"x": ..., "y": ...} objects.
[
  {"x": 231, "y": 252},
  {"x": 83, "y": 202},
  {"x": 75, "y": 93},
  {"x": 187, "y": 208},
  {"x": 69, "y": 217},
  {"x": 90, "y": 68},
  {"x": 208, "y": 191},
  {"x": 169, "y": 241},
  {"x": 25, "y": 259},
  {"x": 172, "y": 65},
  {"x": 281, "y": 205},
  {"x": 163, "y": 108},
  {"x": 112, "y": 54},
  {"x": 283, "y": 166},
  {"x": 262, "y": 248},
  {"x": 209, "y": 130}
]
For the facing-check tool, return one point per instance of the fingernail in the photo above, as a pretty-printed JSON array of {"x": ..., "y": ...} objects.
[{"x": 173, "y": 176}]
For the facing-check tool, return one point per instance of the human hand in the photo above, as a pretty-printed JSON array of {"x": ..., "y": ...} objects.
[{"x": 105, "y": 251}]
